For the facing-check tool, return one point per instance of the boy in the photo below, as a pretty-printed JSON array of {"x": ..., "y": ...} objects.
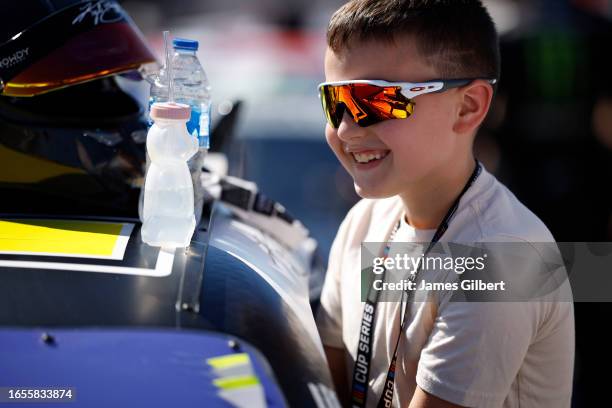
[{"x": 409, "y": 82}]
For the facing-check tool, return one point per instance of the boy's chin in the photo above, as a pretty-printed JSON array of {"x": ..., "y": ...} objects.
[{"x": 372, "y": 192}]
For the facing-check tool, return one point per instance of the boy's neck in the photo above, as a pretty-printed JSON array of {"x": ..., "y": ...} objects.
[{"x": 427, "y": 202}]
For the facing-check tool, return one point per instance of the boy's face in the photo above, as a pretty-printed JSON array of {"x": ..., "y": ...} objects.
[{"x": 413, "y": 148}]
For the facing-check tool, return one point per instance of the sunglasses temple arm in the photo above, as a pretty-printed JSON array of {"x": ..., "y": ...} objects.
[{"x": 457, "y": 83}]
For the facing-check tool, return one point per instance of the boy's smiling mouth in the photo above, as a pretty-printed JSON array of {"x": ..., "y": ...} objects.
[{"x": 368, "y": 156}]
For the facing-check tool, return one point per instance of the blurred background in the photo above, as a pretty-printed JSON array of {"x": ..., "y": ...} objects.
[{"x": 548, "y": 137}]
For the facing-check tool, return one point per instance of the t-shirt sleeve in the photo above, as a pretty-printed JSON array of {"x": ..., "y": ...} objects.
[
  {"x": 329, "y": 315},
  {"x": 475, "y": 350}
]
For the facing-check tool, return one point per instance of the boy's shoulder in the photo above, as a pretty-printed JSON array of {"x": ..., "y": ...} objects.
[{"x": 498, "y": 214}]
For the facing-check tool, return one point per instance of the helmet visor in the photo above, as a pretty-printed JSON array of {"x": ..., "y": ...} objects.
[{"x": 79, "y": 43}]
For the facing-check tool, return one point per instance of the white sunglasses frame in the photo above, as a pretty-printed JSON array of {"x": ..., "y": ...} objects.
[{"x": 411, "y": 89}]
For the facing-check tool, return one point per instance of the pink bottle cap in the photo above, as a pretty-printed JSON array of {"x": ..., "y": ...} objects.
[{"x": 170, "y": 110}]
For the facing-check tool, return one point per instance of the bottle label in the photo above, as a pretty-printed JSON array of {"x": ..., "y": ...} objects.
[
  {"x": 199, "y": 124},
  {"x": 204, "y": 137},
  {"x": 193, "y": 126}
]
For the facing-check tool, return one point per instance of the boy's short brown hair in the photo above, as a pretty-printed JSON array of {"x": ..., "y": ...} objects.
[{"x": 456, "y": 37}]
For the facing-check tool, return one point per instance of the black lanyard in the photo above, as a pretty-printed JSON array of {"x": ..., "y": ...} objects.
[{"x": 361, "y": 369}]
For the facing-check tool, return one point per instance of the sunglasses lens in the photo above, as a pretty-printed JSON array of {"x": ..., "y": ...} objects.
[
  {"x": 367, "y": 104},
  {"x": 331, "y": 105}
]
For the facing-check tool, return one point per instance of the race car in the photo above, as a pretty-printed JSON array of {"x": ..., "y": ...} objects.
[{"x": 90, "y": 314}]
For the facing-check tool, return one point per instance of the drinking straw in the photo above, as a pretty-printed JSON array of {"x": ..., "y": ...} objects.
[{"x": 169, "y": 72}]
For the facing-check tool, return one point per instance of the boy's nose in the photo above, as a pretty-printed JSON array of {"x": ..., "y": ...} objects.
[{"x": 349, "y": 130}]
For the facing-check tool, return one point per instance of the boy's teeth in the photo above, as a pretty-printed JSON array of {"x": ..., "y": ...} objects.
[{"x": 364, "y": 158}]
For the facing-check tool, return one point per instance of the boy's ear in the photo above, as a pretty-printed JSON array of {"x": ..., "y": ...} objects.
[{"x": 474, "y": 102}]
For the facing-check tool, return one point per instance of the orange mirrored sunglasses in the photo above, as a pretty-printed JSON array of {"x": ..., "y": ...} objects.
[{"x": 372, "y": 101}]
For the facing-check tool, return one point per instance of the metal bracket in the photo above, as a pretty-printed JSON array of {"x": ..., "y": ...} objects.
[{"x": 193, "y": 259}]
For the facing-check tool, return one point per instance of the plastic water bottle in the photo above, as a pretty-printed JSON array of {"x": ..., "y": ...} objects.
[
  {"x": 192, "y": 88},
  {"x": 168, "y": 211}
]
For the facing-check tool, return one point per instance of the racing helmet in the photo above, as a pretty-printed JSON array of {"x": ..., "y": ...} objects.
[{"x": 72, "y": 129}]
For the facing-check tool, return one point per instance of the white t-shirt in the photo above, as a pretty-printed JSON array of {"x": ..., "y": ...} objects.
[{"x": 476, "y": 354}]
